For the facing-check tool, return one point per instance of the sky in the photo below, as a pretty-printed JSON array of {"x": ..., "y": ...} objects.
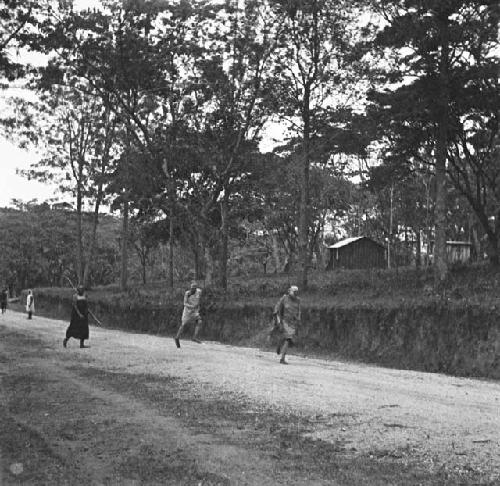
[
  {"x": 12, "y": 158},
  {"x": 14, "y": 186}
]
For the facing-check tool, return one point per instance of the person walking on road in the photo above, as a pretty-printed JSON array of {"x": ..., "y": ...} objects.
[
  {"x": 4, "y": 298},
  {"x": 287, "y": 316},
  {"x": 190, "y": 313},
  {"x": 79, "y": 323},
  {"x": 30, "y": 304}
]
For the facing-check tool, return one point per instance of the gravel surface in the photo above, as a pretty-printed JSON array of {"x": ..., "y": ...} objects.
[{"x": 436, "y": 419}]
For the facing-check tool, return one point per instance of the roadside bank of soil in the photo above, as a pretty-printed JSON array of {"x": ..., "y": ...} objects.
[{"x": 454, "y": 337}]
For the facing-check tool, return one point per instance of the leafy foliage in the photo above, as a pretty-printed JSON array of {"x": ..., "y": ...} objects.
[
  {"x": 410, "y": 113},
  {"x": 39, "y": 246},
  {"x": 158, "y": 109},
  {"x": 18, "y": 19}
]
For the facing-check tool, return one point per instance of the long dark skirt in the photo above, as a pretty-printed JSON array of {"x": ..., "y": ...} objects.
[{"x": 79, "y": 326}]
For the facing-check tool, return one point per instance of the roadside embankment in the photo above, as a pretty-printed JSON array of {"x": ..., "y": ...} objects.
[{"x": 458, "y": 338}]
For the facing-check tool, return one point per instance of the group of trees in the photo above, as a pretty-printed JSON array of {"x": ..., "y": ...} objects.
[
  {"x": 38, "y": 247},
  {"x": 158, "y": 108},
  {"x": 444, "y": 113}
]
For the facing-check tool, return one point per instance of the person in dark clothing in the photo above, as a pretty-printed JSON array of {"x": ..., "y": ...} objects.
[
  {"x": 4, "y": 297},
  {"x": 79, "y": 324}
]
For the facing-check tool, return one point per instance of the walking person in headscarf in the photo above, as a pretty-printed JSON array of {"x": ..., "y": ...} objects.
[
  {"x": 190, "y": 313},
  {"x": 4, "y": 298},
  {"x": 79, "y": 324},
  {"x": 288, "y": 317},
  {"x": 30, "y": 304}
]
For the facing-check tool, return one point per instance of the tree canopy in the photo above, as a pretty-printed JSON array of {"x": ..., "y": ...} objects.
[{"x": 157, "y": 110}]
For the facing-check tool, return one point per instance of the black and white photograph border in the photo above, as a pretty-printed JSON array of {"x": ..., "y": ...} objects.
[{"x": 249, "y": 242}]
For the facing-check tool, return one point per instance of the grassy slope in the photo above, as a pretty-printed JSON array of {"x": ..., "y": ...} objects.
[{"x": 478, "y": 284}]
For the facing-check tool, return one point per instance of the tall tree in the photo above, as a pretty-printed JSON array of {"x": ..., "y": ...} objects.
[
  {"x": 73, "y": 132},
  {"x": 133, "y": 54},
  {"x": 226, "y": 116},
  {"x": 311, "y": 69},
  {"x": 433, "y": 44},
  {"x": 402, "y": 204}
]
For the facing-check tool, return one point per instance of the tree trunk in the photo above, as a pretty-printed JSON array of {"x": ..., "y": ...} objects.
[
  {"x": 171, "y": 216},
  {"x": 418, "y": 252},
  {"x": 319, "y": 255},
  {"x": 99, "y": 197},
  {"x": 493, "y": 242},
  {"x": 196, "y": 256},
  {"x": 144, "y": 267},
  {"x": 276, "y": 252},
  {"x": 493, "y": 249},
  {"x": 124, "y": 248},
  {"x": 171, "y": 247},
  {"x": 79, "y": 231},
  {"x": 91, "y": 247},
  {"x": 224, "y": 254},
  {"x": 476, "y": 244},
  {"x": 303, "y": 242},
  {"x": 389, "y": 239},
  {"x": 209, "y": 262},
  {"x": 440, "y": 265},
  {"x": 126, "y": 209},
  {"x": 92, "y": 242}
]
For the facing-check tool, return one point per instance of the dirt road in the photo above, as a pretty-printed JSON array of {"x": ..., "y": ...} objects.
[{"x": 133, "y": 409}]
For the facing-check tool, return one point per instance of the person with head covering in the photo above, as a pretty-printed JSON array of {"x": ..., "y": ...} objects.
[
  {"x": 287, "y": 315},
  {"x": 79, "y": 323},
  {"x": 30, "y": 304},
  {"x": 190, "y": 313}
]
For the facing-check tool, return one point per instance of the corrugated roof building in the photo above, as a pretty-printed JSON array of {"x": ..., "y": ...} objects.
[{"x": 357, "y": 252}]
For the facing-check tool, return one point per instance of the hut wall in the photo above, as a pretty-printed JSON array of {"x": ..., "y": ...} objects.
[
  {"x": 458, "y": 253},
  {"x": 359, "y": 254}
]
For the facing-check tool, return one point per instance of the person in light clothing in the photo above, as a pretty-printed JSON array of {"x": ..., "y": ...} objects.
[
  {"x": 287, "y": 316},
  {"x": 190, "y": 313},
  {"x": 30, "y": 304}
]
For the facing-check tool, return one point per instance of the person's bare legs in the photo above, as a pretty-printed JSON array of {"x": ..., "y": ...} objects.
[
  {"x": 196, "y": 331},
  {"x": 179, "y": 332},
  {"x": 284, "y": 349}
]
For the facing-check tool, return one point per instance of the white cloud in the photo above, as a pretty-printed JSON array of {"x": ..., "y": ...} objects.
[
  {"x": 84, "y": 4},
  {"x": 14, "y": 186}
]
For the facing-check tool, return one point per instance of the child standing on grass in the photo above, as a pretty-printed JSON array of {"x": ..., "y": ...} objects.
[
  {"x": 30, "y": 304},
  {"x": 288, "y": 317}
]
